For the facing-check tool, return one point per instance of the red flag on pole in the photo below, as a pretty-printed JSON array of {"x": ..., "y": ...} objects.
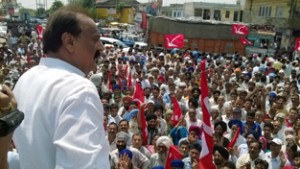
[
  {"x": 174, "y": 40},
  {"x": 138, "y": 93},
  {"x": 173, "y": 154},
  {"x": 144, "y": 21},
  {"x": 176, "y": 111},
  {"x": 129, "y": 81},
  {"x": 40, "y": 31},
  {"x": 245, "y": 41},
  {"x": 206, "y": 160},
  {"x": 233, "y": 141},
  {"x": 143, "y": 124},
  {"x": 297, "y": 44},
  {"x": 240, "y": 29}
]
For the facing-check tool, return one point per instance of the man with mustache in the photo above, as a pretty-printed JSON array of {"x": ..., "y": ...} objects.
[
  {"x": 63, "y": 125},
  {"x": 138, "y": 160},
  {"x": 163, "y": 144}
]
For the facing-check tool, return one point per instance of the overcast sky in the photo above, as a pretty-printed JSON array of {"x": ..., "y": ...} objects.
[{"x": 32, "y": 3}]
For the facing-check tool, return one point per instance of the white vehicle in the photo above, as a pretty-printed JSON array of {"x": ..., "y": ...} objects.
[
  {"x": 142, "y": 45},
  {"x": 109, "y": 42}
]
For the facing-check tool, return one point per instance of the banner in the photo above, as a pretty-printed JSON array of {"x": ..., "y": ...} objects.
[
  {"x": 139, "y": 93},
  {"x": 297, "y": 45},
  {"x": 143, "y": 124},
  {"x": 40, "y": 31},
  {"x": 144, "y": 21},
  {"x": 233, "y": 141},
  {"x": 206, "y": 159},
  {"x": 174, "y": 41},
  {"x": 173, "y": 154},
  {"x": 240, "y": 29},
  {"x": 177, "y": 113},
  {"x": 245, "y": 41}
]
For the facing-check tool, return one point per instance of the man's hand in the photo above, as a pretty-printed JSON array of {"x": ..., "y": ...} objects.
[{"x": 124, "y": 162}]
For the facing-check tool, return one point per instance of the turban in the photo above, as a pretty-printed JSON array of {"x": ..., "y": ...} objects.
[{"x": 165, "y": 140}]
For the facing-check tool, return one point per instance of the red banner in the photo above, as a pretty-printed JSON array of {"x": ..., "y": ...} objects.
[
  {"x": 233, "y": 141},
  {"x": 144, "y": 21},
  {"x": 176, "y": 111},
  {"x": 173, "y": 154},
  {"x": 143, "y": 124},
  {"x": 174, "y": 40},
  {"x": 240, "y": 29},
  {"x": 139, "y": 93},
  {"x": 297, "y": 45},
  {"x": 40, "y": 31},
  {"x": 206, "y": 160},
  {"x": 245, "y": 41}
]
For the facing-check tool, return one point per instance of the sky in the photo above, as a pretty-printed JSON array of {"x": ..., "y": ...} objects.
[{"x": 32, "y": 3}]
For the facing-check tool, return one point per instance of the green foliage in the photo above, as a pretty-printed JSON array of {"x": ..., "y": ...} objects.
[
  {"x": 87, "y": 4},
  {"x": 40, "y": 12},
  {"x": 56, "y": 5},
  {"x": 84, "y": 3}
]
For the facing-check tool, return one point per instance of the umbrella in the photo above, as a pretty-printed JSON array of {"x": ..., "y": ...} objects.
[{"x": 173, "y": 51}]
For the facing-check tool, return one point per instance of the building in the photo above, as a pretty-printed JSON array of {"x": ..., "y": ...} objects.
[
  {"x": 213, "y": 11},
  {"x": 8, "y": 7},
  {"x": 283, "y": 14},
  {"x": 117, "y": 10}
]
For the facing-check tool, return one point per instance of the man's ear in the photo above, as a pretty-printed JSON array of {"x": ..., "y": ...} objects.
[{"x": 68, "y": 42}]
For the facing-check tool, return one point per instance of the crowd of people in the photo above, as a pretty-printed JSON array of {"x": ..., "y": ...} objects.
[{"x": 79, "y": 114}]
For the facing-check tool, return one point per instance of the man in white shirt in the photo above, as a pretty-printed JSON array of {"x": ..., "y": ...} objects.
[
  {"x": 63, "y": 124},
  {"x": 273, "y": 157}
]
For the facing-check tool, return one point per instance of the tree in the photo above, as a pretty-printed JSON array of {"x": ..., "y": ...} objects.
[
  {"x": 87, "y": 4},
  {"x": 56, "y": 5},
  {"x": 40, "y": 12}
]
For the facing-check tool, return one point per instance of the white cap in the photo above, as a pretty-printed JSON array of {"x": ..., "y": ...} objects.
[{"x": 277, "y": 141}]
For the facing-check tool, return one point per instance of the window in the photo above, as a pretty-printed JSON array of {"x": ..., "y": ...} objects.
[
  {"x": 217, "y": 15},
  {"x": 198, "y": 12},
  {"x": 279, "y": 11},
  {"x": 206, "y": 14},
  {"x": 227, "y": 14},
  {"x": 235, "y": 16},
  {"x": 265, "y": 11}
]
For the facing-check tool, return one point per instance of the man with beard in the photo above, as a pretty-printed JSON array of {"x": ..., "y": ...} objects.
[
  {"x": 163, "y": 144},
  {"x": 191, "y": 162},
  {"x": 138, "y": 159},
  {"x": 152, "y": 129},
  {"x": 137, "y": 142},
  {"x": 112, "y": 133},
  {"x": 220, "y": 155}
]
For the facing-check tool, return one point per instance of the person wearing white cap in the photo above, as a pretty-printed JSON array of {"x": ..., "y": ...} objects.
[
  {"x": 163, "y": 144},
  {"x": 274, "y": 157}
]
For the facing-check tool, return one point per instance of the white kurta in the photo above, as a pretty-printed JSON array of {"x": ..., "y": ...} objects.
[{"x": 63, "y": 125}]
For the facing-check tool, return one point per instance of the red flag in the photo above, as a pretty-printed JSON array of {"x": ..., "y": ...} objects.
[
  {"x": 129, "y": 81},
  {"x": 240, "y": 29},
  {"x": 297, "y": 44},
  {"x": 245, "y": 41},
  {"x": 206, "y": 160},
  {"x": 28, "y": 56},
  {"x": 176, "y": 111},
  {"x": 143, "y": 124},
  {"x": 138, "y": 93},
  {"x": 144, "y": 21},
  {"x": 173, "y": 154},
  {"x": 40, "y": 31},
  {"x": 174, "y": 40},
  {"x": 233, "y": 141}
]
